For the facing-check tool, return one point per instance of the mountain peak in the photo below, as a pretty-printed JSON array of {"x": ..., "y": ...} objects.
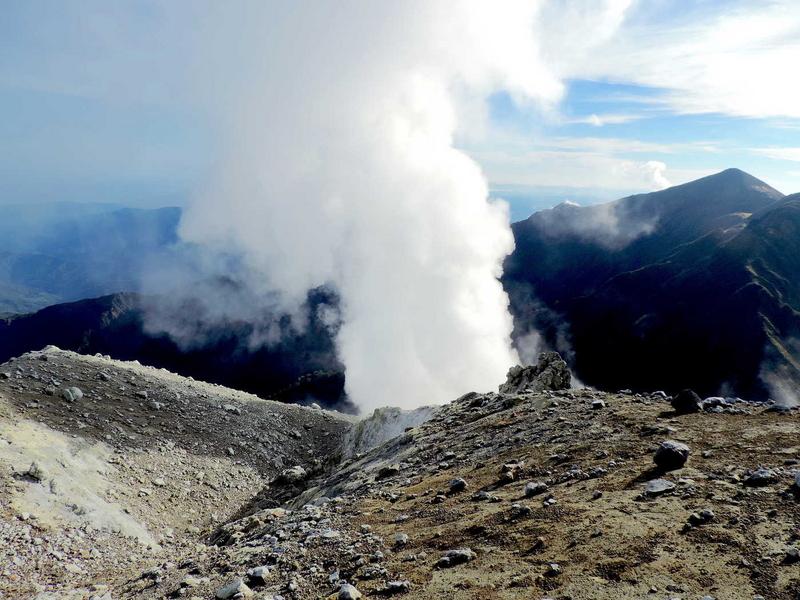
[{"x": 731, "y": 180}]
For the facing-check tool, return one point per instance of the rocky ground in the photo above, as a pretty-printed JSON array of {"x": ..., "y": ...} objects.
[
  {"x": 135, "y": 473},
  {"x": 515, "y": 495}
]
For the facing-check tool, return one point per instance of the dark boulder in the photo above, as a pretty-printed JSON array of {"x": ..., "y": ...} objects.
[
  {"x": 671, "y": 455},
  {"x": 687, "y": 402}
]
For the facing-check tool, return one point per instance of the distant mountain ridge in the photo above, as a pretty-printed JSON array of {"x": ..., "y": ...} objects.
[
  {"x": 300, "y": 366},
  {"x": 60, "y": 252},
  {"x": 694, "y": 286}
]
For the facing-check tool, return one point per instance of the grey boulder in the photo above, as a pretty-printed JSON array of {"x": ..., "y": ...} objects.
[
  {"x": 71, "y": 394},
  {"x": 671, "y": 455}
]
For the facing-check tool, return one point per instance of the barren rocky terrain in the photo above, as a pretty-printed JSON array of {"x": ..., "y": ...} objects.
[{"x": 154, "y": 486}]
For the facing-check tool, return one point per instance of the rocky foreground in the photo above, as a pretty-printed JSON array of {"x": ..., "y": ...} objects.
[{"x": 148, "y": 485}]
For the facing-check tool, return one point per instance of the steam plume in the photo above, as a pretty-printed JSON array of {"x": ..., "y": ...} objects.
[{"x": 343, "y": 171}]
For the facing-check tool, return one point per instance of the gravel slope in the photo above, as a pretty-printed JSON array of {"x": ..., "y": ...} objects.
[{"x": 383, "y": 518}]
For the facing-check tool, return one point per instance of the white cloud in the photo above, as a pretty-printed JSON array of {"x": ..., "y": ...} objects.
[
  {"x": 622, "y": 146},
  {"x": 578, "y": 169},
  {"x": 601, "y": 120},
  {"x": 792, "y": 154},
  {"x": 737, "y": 60}
]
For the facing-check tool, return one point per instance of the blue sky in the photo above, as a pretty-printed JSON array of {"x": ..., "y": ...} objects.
[{"x": 97, "y": 103}]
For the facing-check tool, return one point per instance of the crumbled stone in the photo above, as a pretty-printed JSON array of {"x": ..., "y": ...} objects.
[
  {"x": 535, "y": 487},
  {"x": 549, "y": 373},
  {"x": 388, "y": 471},
  {"x": 761, "y": 477},
  {"x": 294, "y": 474},
  {"x": 657, "y": 487},
  {"x": 258, "y": 575},
  {"x": 237, "y": 588},
  {"x": 37, "y": 471},
  {"x": 456, "y": 557},
  {"x": 458, "y": 484},
  {"x": 398, "y": 587},
  {"x": 348, "y": 592}
]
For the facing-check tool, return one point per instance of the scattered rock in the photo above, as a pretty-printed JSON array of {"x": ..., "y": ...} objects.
[
  {"x": 520, "y": 511},
  {"x": 704, "y": 516},
  {"x": 536, "y": 487},
  {"x": 398, "y": 587},
  {"x": 348, "y": 592},
  {"x": 457, "y": 485},
  {"x": 72, "y": 394},
  {"x": 294, "y": 474},
  {"x": 656, "y": 487},
  {"x": 671, "y": 455},
  {"x": 37, "y": 471},
  {"x": 761, "y": 477},
  {"x": 511, "y": 471},
  {"x": 237, "y": 588},
  {"x": 686, "y": 402},
  {"x": 456, "y": 557},
  {"x": 388, "y": 471},
  {"x": 553, "y": 569},
  {"x": 258, "y": 575}
]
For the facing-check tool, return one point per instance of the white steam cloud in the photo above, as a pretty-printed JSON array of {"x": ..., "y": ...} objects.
[{"x": 342, "y": 171}]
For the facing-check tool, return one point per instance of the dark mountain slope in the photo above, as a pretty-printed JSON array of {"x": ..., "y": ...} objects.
[
  {"x": 223, "y": 353},
  {"x": 707, "y": 300},
  {"x": 569, "y": 250}
]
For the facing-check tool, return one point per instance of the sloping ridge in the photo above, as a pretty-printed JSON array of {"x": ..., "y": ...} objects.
[
  {"x": 708, "y": 299},
  {"x": 117, "y": 325}
]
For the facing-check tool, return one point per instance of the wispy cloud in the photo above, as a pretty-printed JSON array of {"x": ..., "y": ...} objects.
[
  {"x": 628, "y": 146},
  {"x": 601, "y": 120},
  {"x": 736, "y": 61},
  {"x": 792, "y": 154},
  {"x": 580, "y": 169}
]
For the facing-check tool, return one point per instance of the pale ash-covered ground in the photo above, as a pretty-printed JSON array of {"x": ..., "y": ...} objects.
[
  {"x": 137, "y": 472},
  {"x": 382, "y": 520}
]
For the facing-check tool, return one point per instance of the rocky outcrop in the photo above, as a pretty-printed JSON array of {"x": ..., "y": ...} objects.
[{"x": 549, "y": 373}]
